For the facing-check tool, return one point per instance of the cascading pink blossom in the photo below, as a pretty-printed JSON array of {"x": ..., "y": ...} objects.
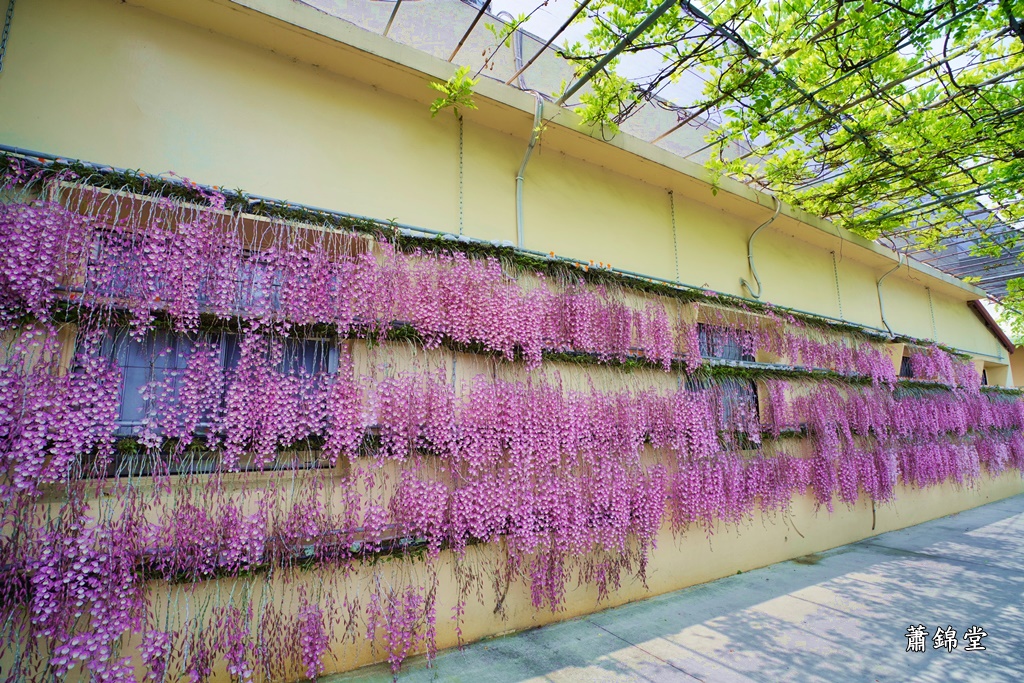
[{"x": 569, "y": 485}]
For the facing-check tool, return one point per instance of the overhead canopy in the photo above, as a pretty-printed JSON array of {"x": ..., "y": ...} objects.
[{"x": 902, "y": 120}]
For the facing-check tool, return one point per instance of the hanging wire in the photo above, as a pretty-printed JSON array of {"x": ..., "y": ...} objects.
[{"x": 6, "y": 32}]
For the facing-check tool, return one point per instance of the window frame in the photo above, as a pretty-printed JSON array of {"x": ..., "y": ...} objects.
[
  {"x": 906, "y": 368},
  {"x": 710, "y": 347},
  {"x": 131, "y": 458}
]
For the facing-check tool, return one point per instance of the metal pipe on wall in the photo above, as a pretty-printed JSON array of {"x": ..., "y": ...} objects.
[
  {"x": 750, "y": 250},
  {"x": 878, "y": 286},
  {"x": 517, "y": 50},
  {"x": 546, "y": 45},
  {"x": 538, "y": 116}
]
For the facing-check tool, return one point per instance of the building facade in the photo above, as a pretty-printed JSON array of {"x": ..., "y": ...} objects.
[{"x": 372, "y": 403}]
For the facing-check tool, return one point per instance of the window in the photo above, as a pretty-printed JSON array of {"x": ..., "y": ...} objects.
[
  {"x": 162, "y": 355},
  {"x": 738, "y": 404},
  {"x": 739, "y": 398},
  {"x": 906, "y": 368},
  {"x": 720, "y": 342},
  {"x": 258, "y": 284},
  {"x": 140, "y": 363},
  {"x": 151, "y": 370},
  {"x": 109, "y": 267},
  {"x": 159, "y": 356},
  {"x": 250, "y": 282},
  {"x": 308, "y": 357},
  {"x": 254, "y": 283},
  {"x": 984, "y": 378}
]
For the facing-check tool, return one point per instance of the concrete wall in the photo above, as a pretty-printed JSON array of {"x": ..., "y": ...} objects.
[
  {"x": 276, "y": 99},
  {"x": 677, "y": 562},
  {"x": 126, "y": 85}
]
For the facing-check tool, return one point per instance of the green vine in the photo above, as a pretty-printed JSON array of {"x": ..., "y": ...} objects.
[{"x": 456, "y": 92}]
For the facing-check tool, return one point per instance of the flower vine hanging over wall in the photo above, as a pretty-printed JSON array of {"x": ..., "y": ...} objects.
[{"x": 217, "y": 453}]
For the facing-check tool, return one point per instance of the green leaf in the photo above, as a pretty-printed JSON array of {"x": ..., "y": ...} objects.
[{"x": 456, "y": 92}]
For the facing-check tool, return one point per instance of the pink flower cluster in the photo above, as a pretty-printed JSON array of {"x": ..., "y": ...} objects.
[
  {"x": 312, "y": 637},
  {"x": 571, "y": 486},
  {"x": 934, "y": 364},
  {"x": 404, "y": 617},
  {"x": 85, "y": 596},
  {"x": 185, "y": 261},
  {"x": 49, "y": 419},
  {"x": 43, "y": 247}
]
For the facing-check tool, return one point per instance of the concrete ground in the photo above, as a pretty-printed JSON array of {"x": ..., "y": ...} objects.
[{"x": 841, "y": 615}]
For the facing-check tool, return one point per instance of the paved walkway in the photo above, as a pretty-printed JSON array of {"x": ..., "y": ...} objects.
[{"x": 838, "y": 616}]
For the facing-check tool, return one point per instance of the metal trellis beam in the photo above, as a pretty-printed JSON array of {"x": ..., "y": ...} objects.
[
  {"x": 619, "y": 47},
  {"x": 476, "y": 20},
  {"x": 391, "y": 19},
  {"x": 736, "y": 39},
  {"x": 871, "y": 62},
  {"x": 548, "y": 44}
]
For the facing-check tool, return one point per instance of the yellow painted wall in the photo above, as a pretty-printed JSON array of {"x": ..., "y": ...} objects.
[
  {"x": 1017, "y": 368},
  {"x": 677, "y": 562},
  {"x": 126, "y": 85},
  {"x": 111, "y": 82}
]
